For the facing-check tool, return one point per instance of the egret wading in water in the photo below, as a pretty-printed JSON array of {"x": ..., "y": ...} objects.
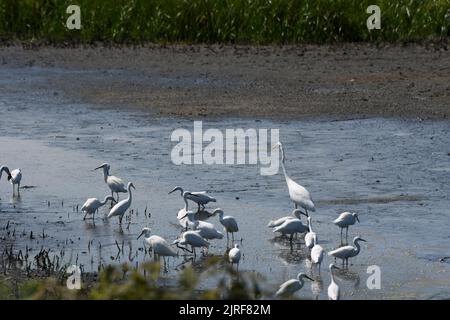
[
  {"x": 229, "y": 223},
  {"x": 298, "y": 194},
  {"x": 291, "y": 227},
  {"x": 193, "y": 239},
  {"x": 345, "y": 220},
  {"x": 333, "y": 288},
  {"x": 160, "y": 247},
  {"x": 296, "y": 214},
  {"x": 206, "y": 229},
  {"x": 291, "y": 286},
  {"x": 234, "y": 256},
  {"x": 316, "y": 253},
  {"x": 120, "y": 208},
  {"x": 115, "y": 184},
  {"x": 201, "y": 198},
  {"x": 14, "y": 177},
  {"x": 311, "y": 236},
  {"x": 92, "y": 205},
  {"x": 347, "y": 252}
]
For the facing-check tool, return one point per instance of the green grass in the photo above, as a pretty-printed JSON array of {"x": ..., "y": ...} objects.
[{"x": 225, "y": 21}]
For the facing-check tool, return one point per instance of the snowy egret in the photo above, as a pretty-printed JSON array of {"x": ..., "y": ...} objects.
[
  {"x": 291, "y": 227},
  {"x": 298, "y": 194},
  {"x": 296, "y": 214},
  {"x": 234, "y": 256},
  {"x": 201, "y": 198},
  {"x": 347, "y": 252},
  {"x": 114, "y": 183},
  {"x": 160, "y": 247},
  {"x": 193, "y": 239},
  {"x": 309, "y": 237},
  {"x": 92, "y": 205},
  {"x": 120, "y": 208},
  {"x": 333, "y": 288},
  {"x": 293, "y": 285},
  {"x": 316, "y": 253},
  {"x": 206, "y": 229},
  {"x": 345, "y": 220},
  {"x": 15, "y": 178},
  {"x": 229, "y": 223}
]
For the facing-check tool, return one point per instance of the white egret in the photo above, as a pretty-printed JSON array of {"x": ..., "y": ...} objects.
[
  {"x": 316, "y": 253},
  {"x": 291, "y": 227},
  {"x": 114, "y": 183},
  {"x": 296, "y": 214},
  {"x": 206, "y": 229},
  {"x": 15, "y": 178},
  {"x": 92, "y": 205},
  {"x": 160, "y": 247},
  {"x": 347, "y": 252},
  {"x": 333, "y": 288},
  {"x": 120, "y": 208},
  {"x": 193, "y": 239},
  {"x": 234, "y": 256},
  {"x": 201, "y": 198},
  {"x": 345, "y": 220},
  {"x": 309, "y": 237},
  {"x": 229, "y": 223},
  {"x": 184, "y": 214},
  {"x": 298, "y": 194},
  {"x": 293, "y": 285}
]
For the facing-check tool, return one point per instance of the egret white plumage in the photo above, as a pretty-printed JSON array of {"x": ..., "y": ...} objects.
[
  {"x": 206, "y": 229},
  {"x": 291, "y": 227},
  {"x": 193, "y": 239},
  {"x": 120, "y": 208},
  {"x": 201, "y": 198},
  {"x": 293, "y": 285},
  {"x": 92, "y": 205},
  {"x": 229, "y": 223},
  {"x": 184, "y": 216},
  {"x": 347, "y": 252},
  {"x": 115, "y": 184},
  {"x": 234, "y": 256},
  {"x": 298, "y": 194},
  {"x": 345, "y": 220},
  {"x": 309, "y": 237},
  {"x": 296, "y": 214},
  {"x": 15, "y": 178},
  {"x": 160, "y": 247},
  {"x": 333, "y": 288},
  {"x": 316, "y": 253}
]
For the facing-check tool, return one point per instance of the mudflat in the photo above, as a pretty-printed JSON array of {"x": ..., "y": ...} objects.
[{"x": 291, "y": 82}]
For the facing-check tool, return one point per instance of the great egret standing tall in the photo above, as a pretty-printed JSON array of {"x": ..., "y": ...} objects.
[
  {"x": 114, "y": 183},
  {"x": 92, "y": 205},
  {"x": 298, "y": 194},
  {"x": 333, "y": 288},
  {"x": 347, "y": 252},
  {"x": 120, "y": 208},
  {"x": 229, "y": 223},
  {"x": 201, "y": 198}
]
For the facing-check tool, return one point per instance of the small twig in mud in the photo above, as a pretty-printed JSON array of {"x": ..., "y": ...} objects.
[{"x": 118, "y": 247}]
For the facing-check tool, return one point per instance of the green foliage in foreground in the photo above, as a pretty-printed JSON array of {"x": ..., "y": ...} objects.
[
  {"x": 122, "y": 282},
  {"x": 226, "y": 21}
]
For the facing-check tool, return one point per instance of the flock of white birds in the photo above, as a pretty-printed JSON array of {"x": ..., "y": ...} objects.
[{"x": 198, "y": 233}]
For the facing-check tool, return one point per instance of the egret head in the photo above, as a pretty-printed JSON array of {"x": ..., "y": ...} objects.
[
  {"x": 333, "y": 266},
  {"x": 355, "y": 215},
  {"x": 298, "y": 212},
  {"x": 131, "y": 185},
  {"x": 218, "y": 211},
  {"x": 236, "y": 246},
  {"x": 302, "y": 275},
  {"x": 3, "y": 168},
  {"x": 177, "y": 188},
  {"x": 277, "y": 145},
  {"x": 146, "y": 232},
  {"x": 104, "y": 166},
  {"x": 358, "y": 238}
]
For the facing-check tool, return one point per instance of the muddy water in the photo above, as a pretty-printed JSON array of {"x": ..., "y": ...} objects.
[{"x": 394, "y": 173}]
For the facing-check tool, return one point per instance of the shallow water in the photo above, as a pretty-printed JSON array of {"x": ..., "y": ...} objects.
[{"x": 394, "y": 173}]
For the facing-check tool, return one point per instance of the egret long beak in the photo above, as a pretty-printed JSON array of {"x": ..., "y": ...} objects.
[
  {"x": 140, "y": 235},
  {"x": 172, "y": 191},
  {"x": 361, "y": 239},
  {"x": 184, "y": 216},
  {"x": 99, "y": 167},
  {"x": 9, "y": 177},
  {"x": 309, "y": 278},
  {"x": 357, "y": 219}
]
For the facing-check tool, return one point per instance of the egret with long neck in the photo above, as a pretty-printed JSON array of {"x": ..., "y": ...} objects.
[{"x": 120, "y": 208}]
